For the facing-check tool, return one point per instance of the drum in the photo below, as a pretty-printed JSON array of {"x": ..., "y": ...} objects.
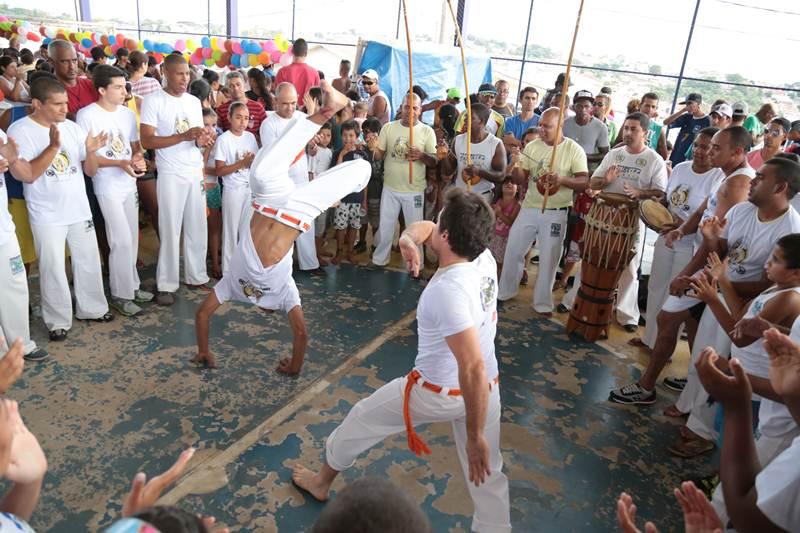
[
  {"x": 656, "y": 216},
  {"x": 609, "y": 242}
]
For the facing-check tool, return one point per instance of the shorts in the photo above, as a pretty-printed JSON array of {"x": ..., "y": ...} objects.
[
  {"x": 213, "y": 197},
  {"x": 573, "y": 253},
  {"x": 347, "y": 216},
  {"x": 497, "y": 245},
  {"x": 321, "y": 224}
]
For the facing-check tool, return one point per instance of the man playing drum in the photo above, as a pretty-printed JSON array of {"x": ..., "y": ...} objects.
[{"x": 638, "y": 172}]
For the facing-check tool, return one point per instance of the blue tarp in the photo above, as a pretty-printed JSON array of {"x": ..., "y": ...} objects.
[{"x": 436, "y": 69}]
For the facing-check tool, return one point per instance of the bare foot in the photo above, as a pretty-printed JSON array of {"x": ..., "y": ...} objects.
[
  {"x": 285, "y": 366},
  {"x": 307, "y": 480},
  {"x": 336, "y": 259},
  {"x": 350, "y": 258},
  {"x": 559, "y": 285},
  {"x": 673, "y": 412},
  {"x": 205, "y": 359},
  {"x": 322, "y": 261}
]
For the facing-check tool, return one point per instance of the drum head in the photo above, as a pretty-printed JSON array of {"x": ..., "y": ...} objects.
[
  {"x": 614, "y": 198},
  {"x": 654, "y": 215}
]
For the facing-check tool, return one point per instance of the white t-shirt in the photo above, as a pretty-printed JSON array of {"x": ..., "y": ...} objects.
[
  {"x": 320, "y": 162},
  {"x": 229, "y": 149},
  {"x": 272, "y": 128},
  {"x": 711, "y": 206},
  {"x": 120, "y": 125},
  {"x": 6, "y": 222},
  {"x": 645, "y": 170},
  {"x": 171, "y": 115},
  {"x": 57, "y": 197},
  {"x": 686, "y": 191},
  {"x": 481, "y": 155},
  {"x": 778, "y": 489},
  {"x": 750, "y": 241},
  {"x": 774, "y": 418},
  {"x": 457, "y": 298}
]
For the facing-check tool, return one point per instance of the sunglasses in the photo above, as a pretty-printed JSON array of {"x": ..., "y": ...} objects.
[
  {"x": 367, "y": 83},
  {"x": 774, "y": 133}
]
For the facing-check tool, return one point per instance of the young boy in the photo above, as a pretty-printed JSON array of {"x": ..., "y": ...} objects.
[
  {"x": 319, "y": 160},
  {"x": 120, "y": 162},
  {"x": 347, "y": 219},
  {"x": 234, "y": 154}
]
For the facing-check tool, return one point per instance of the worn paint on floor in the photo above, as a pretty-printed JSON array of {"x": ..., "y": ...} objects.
[{"x": 121, "y": 397}]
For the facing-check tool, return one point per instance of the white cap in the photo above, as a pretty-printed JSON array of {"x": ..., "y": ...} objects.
[{"x": 370, "y": 74}]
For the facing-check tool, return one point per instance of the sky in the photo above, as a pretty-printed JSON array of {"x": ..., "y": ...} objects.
[{"x": 749, "y": 37}]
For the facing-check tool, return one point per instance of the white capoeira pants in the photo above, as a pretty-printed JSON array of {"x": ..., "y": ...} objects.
[
  {"x": 412, "y": 205},
  {"x": 14, "y": 301},
  {"x": 87, "y": 274},
  {"x": 121, "y": 212},
  {"x": 667, "y": 264},
  {"x": 627, "y": 304},
  {"x": 547, "y": 230},
  {"x": 181, "y": 206},
  {"x": 235, "y": 203},
  {"x": 767, "y": 449},
  {"x": 380, "y": 415},
  {"x": 694, "y": 398}
]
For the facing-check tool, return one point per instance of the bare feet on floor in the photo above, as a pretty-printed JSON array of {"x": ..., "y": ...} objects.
[
  {"x": 309, "y": 481},
  {"x": 207, "y": 360}
]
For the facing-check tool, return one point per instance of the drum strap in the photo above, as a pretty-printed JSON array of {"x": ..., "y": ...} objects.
[
  {"x": 593, "y": 299},
  {"x": 592, "y": 324}
]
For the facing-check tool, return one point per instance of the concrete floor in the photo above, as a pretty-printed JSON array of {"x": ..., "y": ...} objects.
[{"x": 122, "y": 397}]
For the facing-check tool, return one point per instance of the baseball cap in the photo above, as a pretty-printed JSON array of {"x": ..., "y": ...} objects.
[
  {"x": 487, "y": 88},
  {"x": 693, "y": 97},
  {"x": 583, "y": 95},
  {"x": 370, "y": 74},
  {"x": 454, "y": 92},
  {"x": 723, "y": 109},
  {"x": 739, "y": 109}
]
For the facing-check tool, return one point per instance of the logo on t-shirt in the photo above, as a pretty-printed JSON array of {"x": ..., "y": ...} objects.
[
  {"x": 400, "y": 148},
  {"x": 251, "y": 291},
  {"x": 117, "y": 147},
  {"x": 679, "y": 197},
  {"x": 61, "y": 167},
  {"x": 181, "y": 125},
  {"x": 738, "y": 255},
  {"x": 488, "y": 292}
]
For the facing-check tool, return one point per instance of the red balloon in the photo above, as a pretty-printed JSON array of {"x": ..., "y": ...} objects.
[
  {"x": 73, "y": 38},
  {"x": 120, "y": 39},
  {"x": 228, "y": 45},
  {"x": 104, "y": 40},
  {"x": 33, "y": 36}
]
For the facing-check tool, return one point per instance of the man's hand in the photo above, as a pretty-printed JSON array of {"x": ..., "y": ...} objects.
[
  {"x": 784, "y": 358},
  {"x": 750, "y": 327},
  {"x": 131, "y": 169},
  {"x": 95, "y": 142},
  {"x": 207, "y": 137},
  {"x": 144, "y": 494},
  {"x": 733, "y": 392},
  {"x": 11, "y": 366},
  {"x": 478, "y": 457},
  {"x": 27, "y": 462},
  {"x": 139, "y": 162},
  {"x": 672, "y": 236},
  {"x": 192, "y": 134},
  {"x": 680, "y": 285},
  {"x": 55, "y": 137},
  {"x": 626, "y": 516},
  {"x": 715, "y": 268},
  {"x": 410, "y": 253},
  {"x": 712, "y": 227},
  {"x": 9, "y": 152},
  {"x": 612, "y": 174},
  {"x": 698, "y": 514},
  {"x": 247, "y": 159},
  {"x": 632, "y": 192},
  {"x": 414, "y": 154},
  {"x": 549, "y": 180},
  {"x": 705, "y": 289}
]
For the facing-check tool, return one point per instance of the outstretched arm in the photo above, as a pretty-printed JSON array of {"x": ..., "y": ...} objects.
[
  {"x": 412, "y": 238},
  {"x": 297, "y": 321}
]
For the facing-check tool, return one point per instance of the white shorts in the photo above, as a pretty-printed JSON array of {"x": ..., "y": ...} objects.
[{"x": 676, "y": 304}]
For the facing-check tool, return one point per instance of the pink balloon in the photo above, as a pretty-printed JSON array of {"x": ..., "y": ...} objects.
[
  {"x": 195, "y": 60},
  {"x": 275, "y": 56},
  {"x": 269, "y": 46},
  {"x": 180, "y": 45},
  {"x": 237, "y": 48},
  {"x": 286, "y": 59},
  {"x": 207, "y": 52}
]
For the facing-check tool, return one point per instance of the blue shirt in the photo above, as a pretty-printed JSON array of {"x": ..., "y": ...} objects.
[
  {"x": 690, "y": 127},
  {"x": 517, "y": 126}
]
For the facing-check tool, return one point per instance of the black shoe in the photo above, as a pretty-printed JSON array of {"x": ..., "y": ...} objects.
[
  {"x": 676, "y": 384},
  {"x": 58, "y": 335},
  {"x": 319, "y": 271},
  {"x": 630, "y": 328},
  {"x": 561, "y": 308},
  {"x": 360, "y": 248},
  {"x": 37, "y": 355}
]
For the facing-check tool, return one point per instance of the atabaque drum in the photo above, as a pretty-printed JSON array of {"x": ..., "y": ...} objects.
[
  {"x": 656, "y": 216},
  {"x": 609, "y": 242}
]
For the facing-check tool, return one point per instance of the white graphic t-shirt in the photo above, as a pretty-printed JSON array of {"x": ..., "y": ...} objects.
[
  {"x": 58, "y": 196},
  {"x": 120, "y": 126},
  {"x": 231, "y": 148},
  {"x": 645, "y": 170},
  {"x": 686, "y": 191},
  {"x": 481, "y": 155}
]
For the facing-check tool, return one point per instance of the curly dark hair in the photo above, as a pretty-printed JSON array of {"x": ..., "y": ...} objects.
[
  {"x": 468, "y": 221},
  {"x": 170, "y": 519}
]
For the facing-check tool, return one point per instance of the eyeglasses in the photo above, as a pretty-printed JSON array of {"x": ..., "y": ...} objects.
[
  {"x": 367, "y": 83},
  {"x": 774, "y": 133},
  {"x": 599, "y": 104}
]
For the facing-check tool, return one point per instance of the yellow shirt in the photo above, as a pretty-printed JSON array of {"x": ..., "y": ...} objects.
[
  {"x": 570, "y": 160},
  {"x": 393, "y": 142}
]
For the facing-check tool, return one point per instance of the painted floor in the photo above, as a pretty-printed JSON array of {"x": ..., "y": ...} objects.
[{"x": 122, "y": 397}]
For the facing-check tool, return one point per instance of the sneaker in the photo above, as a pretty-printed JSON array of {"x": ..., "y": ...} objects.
[
  {"x": 632, "y": 394},
  {"x": 561, "y": 308},
  {"x": 125, "y": 307},
  {"x": 142, "y": 297},
  {"x": 676, "y": 384},
  {"x": 373, "y": 266},
  {"x": 37, "y": 355},
  {"x": 630, "y": 328},
  {"x": 165, "y": 298}
]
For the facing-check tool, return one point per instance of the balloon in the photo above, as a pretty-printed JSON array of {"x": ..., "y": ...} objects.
[
  {"x": 86, "y": 43},
  {"x": 206, "y": 42},
  {"x": 209, "y": 62},
  {"x": 263, "y": 58},
  {"x": 215, "y": 43},
  {"x": 228, "y": 46},
  {"x": 237, "y": 48},
  {"x": 104, "y": 40},
  {"x": 235, "y": 59},
  {"x": 275, "y": 56},
  {"x": 166, "y": 48},
  {"x": 180, "y": 45},
  {"x": 112, "y": 40},
  {"x": 120, "y": 39},
  {"x": 108, "y": 51},
  {"x": 206, "y": 53},
  {"x": 132, "y": 44},
  {"x": 194, "y": 60},
  {"x": 216, "y": 54},
  {"x": 286, "y": 59},
  {"x": 47, "y": 40},
  {"x": 191, "y": 45},
  {"x": 148, "y": 45},
  {"x": 253, "y": 60},
  {"x": 140, "y": 46},
  {"x": 270, "y": 46}
]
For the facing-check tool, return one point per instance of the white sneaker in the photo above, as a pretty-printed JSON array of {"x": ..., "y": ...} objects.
[
  {"x": 142, "y": 297},
  {"x": 125, "y": 307}
]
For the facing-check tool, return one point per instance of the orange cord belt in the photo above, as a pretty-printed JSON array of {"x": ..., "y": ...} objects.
[
  {"x": 278, "y": 214},
  {"x": 415, "y": 442}
]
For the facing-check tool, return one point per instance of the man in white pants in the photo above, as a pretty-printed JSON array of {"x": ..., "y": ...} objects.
[
  {"x": 13, "y": 278},
  {"x": 260, "y": 270},
  {"x": 398, "y": 191},
  {"x": 636, "y": 170},
  {"x": 51, "y": 149},
  {"x": 172, "y": 124},
  {"x": 120, "y": 162},
  {"x": 728, "y": 149},
  {"x": 271, "y": 129},
  {"x": 455, "y": 376},
  {"x": 547, "y": 228}
]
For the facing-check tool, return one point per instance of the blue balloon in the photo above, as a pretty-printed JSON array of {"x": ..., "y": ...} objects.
[
  {"x": 148, "y": 45},
  {"x": 244, "y": 60},
  {"x": 112, "y": 40},
  {"x": 206, "y": 42},
  {"x": 47, "y": 40},
  {"x": 235, "y": 59},
  {"x": 87, "y": 43},
  {"x": 164, "y": 48}
]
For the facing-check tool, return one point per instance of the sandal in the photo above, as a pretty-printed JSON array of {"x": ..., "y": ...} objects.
[
  {"x": 638, "y": 343},
  {"x": 58, "y": 335},
  {"x": 108, "y": 317}
]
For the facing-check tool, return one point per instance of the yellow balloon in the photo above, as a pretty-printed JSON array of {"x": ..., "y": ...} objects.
[
  {"x": 191, "y": 46},
  {"x": 140, "y": 45},
  {"x": 214, "y": 44},
  {"x": 253, "y": 60}
]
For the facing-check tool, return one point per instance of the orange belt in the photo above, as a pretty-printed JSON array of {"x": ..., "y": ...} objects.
[
  {"x": 415, "y": 442},
  {"x": 282, "y": 217}
]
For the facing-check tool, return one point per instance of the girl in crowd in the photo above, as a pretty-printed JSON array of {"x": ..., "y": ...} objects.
[{"x": 13, "y": 86}]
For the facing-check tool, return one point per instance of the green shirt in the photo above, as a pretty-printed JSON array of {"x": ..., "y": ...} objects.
[
  {"x": 570, "y": 160},
  {"x": 612, "y": 131},
  {"x": 654, "y": 134},
  {"x": 393, "y": 142},
  {"x": 753, "y": 125}
]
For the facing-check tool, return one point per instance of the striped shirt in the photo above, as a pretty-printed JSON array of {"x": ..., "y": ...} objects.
[{"x": 257, "y": 116}]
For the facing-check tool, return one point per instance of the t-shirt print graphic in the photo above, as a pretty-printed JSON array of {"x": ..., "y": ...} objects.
[
  {"x": 117, "y": 147},
  {"x": 400, "y": 148},
  {"x": 737, "y": 256},
  {"x": 61, "y": 167},
  {"x": 679, "y": 198},
  {"x": 181, "y": 125}
]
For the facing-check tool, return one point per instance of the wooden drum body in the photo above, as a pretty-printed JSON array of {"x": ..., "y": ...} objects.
[{"x": 609, "y": 242}]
